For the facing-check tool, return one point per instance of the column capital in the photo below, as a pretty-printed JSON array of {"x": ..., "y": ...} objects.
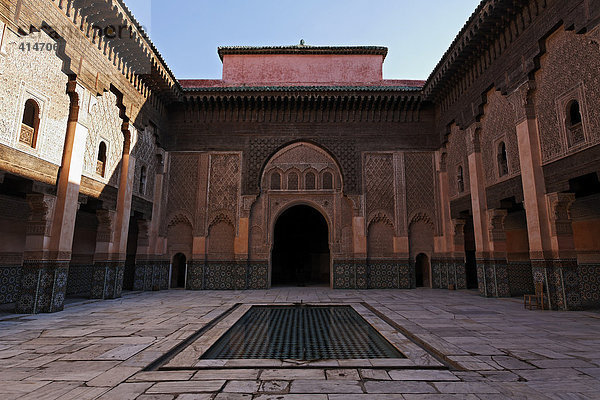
[
  {"x": 496, "y": 217},
  {"x": 443, "y": 160},
  {"x": 458, "y": 234},
  {"x": 143, "y": 233},
  {"x": 126, "y": 137},
  {"x": 41, "y": 207},
  {"x": 559, "y": 207},
  {"x": 474, "y": 138},
  {"x": 75, "y": 98},
  {"x": 106, "y": 220},
  {"x": 522, "y": 101}
]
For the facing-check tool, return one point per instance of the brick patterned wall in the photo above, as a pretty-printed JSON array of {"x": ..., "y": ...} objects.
[
  {"x": 221, "y": 239},
  {"x": 420, "y": 185},
  {"x": 224, "y": 188},
  {"x": 380, "y": 241},
  {"x": 379, "y": 185},
  {"x": 182, "y": 186}
]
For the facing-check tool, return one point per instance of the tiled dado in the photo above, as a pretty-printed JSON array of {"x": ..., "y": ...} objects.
[
  {"x": 151, "y": 275},
  {"x": 448, "y": 271},
  {"x": 10, "y": 277},
  {"x": 79, "y": 281},
  {"x": 43, "y": 286},
  {"x": 561, "y": 282},
  {"x": 227, "y": 275},
  {"x": 374, "y": 274},
  {"x": 107, "y": 280},
  {"x": 589, "y": 285},
  {"x": 520, "y": 278}
]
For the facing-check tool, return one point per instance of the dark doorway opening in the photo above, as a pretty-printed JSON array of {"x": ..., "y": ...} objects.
[
  {"x": 178, "y": 271},
  {"x": 132, "y": 244},
  {"x": 470, "y": 260},
  {"x": 422, "y": 271},
  {"x": 301, "y": 249}
]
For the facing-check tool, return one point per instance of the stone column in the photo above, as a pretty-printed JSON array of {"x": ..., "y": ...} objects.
[
  {"x": 458, "y": 252},
  {"x": 43, "y": 277},
  {"x": 560, "y": 273},
  {"x": 149, "y": 273},
  {"x": 151, "y": 251},
  {"x": 532, "y": 174},
  {"x": 548, "y": 223},
  {"x": 500, "y": 286},
  {"x": 103, "y": 277},
  {"x": 52, "y": 224},
  {"x": 479, "y": 206},
  {"x": 443, "y": 263},
  {"x": 109, "y": 266}
]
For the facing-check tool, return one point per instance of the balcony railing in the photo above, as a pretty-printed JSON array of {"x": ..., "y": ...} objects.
[{"x": 27, "y": 135}]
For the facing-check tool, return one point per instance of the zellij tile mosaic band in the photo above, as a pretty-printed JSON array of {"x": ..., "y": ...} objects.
[{"x": 302, "y": 333}]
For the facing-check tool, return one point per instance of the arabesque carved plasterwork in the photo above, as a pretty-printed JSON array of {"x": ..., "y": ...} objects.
[{"x": 104, "y": 125}]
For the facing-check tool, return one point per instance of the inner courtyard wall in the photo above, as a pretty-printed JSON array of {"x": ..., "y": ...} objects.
[{"x": 412, "y": 168}]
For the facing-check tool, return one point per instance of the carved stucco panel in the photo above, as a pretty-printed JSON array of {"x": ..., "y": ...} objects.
[{"x": 37, "y": 75}]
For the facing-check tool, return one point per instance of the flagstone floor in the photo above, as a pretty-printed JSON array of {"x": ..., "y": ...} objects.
[{"x": 494, "y": 349}]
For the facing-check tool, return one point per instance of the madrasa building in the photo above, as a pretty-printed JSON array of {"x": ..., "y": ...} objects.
[{"x": 302, "y": 165}]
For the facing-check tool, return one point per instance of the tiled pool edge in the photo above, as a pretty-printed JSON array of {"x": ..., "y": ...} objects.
[{"x": 405, "y": 345}]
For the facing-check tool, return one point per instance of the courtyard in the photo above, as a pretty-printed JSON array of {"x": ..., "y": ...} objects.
[{"x": 458, "y": 345}]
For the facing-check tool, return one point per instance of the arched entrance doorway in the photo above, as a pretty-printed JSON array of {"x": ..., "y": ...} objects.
[
  {"x": 178, "y": 270},
  {"x": 423, "y": 278},
  {"x": 301, "y": 248}
]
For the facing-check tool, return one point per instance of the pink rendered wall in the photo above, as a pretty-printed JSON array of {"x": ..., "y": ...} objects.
[{"x": 305, "y": 69}]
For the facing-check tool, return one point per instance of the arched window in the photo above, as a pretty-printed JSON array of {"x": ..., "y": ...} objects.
[
  {"x": 101, "y": 163},
  {"x": 310, "y": 181},
  {"x": 574, "y": 113},
  {"x": 31, "y": 123},
  {"x": 460, "y": 180},
  {"x": 574, "y": 123},
  {"x": 143, "y": 180},
  {"x": 502, "y": 160},
  {"x": 292, "y": 181},
  {"x": 327, "y": 181},
  {"x": 275, "y": 181}
]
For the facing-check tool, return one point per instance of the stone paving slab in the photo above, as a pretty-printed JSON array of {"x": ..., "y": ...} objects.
[{"x": 98, "y": 349}]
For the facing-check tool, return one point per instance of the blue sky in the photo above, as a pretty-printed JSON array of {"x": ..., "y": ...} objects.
[{"x": 188, "y": 32}]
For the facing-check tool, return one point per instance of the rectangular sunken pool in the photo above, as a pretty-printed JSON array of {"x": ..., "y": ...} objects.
[{"x": 301, "y": 333}]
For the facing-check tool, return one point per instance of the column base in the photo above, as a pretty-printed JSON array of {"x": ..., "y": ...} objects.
[
  {"x": 561, "y": 283},
  {"x": 43, "y": 287},
  {"x": 107, "y": 280},
  {"x": 492, "y": 278}
]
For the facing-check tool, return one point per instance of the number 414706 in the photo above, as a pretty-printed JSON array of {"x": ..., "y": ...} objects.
[{"x": 38, "y": 46}]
